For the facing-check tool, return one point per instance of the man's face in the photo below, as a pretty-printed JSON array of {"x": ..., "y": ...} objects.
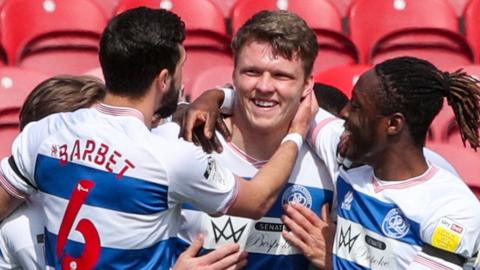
[
  {"x": 365, "y": 128},
  {"x": 171, "y": 96},
  {"x": 269, "y": 88}
]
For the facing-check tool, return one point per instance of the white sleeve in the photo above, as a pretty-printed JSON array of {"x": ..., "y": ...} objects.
[
  {"x": 198, "y": 178},
  {"x": 452, "y": 223},
  {"x": 324, "y": 136},
  {"x": 17, "y": 171},
  {"x": 437, "y": 159}
]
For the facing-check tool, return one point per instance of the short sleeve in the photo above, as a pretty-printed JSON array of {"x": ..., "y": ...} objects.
[
  {"x": 198, "y": 178},
  {"x": 16, "y": 171},
  {"x": 453, "y": 223}
]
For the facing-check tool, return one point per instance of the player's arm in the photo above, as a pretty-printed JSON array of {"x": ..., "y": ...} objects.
[
  {"x": 451, "y": 234},
  {"x": 217, "y": 191},
  {"x": 16, "y": 173}
]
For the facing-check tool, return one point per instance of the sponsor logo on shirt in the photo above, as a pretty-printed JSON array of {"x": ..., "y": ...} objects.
[
  {"x": 346, "y": 239},
  {"x": 347, "y": 201},
  {"x": 227, "y": 232},
  {"x": 447, "y": 235},
  {"x": 298, "y": 194},
  {"x": 269, "y": 226},
  {"x": 395, "y": 225},
  {"x": 375, "y": 243}
]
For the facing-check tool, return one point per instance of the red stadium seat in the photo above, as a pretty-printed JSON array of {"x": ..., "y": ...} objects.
[
  {"x": 342, "y": 77},
  {"x": 335, "y": 48},
  {"x": 464, "y": 161},
  {"x": 199, "y": 60},
  {"x": 15, "y": 85},
  {"x": 205, "y": 22},
  {"x": 211, "y": 78},
  {"x": 427, "y": 29},
  {"x": 472, "y": 31},
  {"x": 8, "y": 132},
  {"x": 54, "y": 36}
]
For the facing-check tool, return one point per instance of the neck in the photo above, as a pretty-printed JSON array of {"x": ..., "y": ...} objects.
[
  {"x": 144, "y": 104},
  {"x": 258, "y": 143},
  {"x": 400, "y": 163}
]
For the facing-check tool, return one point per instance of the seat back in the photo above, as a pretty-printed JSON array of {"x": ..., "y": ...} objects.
[
  {"x": 370, "y": 20},
  {"x": 29, "y": 26},
  {"x": 15, "y": 85},
  {"x": 342, "y": 77},
  {"x": 210, "y": 78}
]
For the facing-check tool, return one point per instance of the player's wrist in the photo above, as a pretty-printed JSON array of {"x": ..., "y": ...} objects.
[
  {"x": 295, "y": 138},
  {"x": 228, "y": 98}
]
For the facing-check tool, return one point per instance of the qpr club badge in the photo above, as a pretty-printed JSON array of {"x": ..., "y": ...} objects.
[
  {"x": 395, "y": 224},
  {"x": 298, "y": 194}
]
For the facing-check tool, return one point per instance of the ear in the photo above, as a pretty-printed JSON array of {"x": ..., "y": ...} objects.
[
  {"x": 395, "y": 124},
  {"x": 308, "y": 86},
  {"x": 163, "y": 80}
]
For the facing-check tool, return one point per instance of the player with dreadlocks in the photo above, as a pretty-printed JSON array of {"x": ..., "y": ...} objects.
[{"x": 399, "y": 210}]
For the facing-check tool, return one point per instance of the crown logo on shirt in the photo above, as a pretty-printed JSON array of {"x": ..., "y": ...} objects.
[{"x": 227, "y": 231}]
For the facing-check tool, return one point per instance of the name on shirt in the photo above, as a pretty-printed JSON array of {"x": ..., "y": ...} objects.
[{"x": 98, "y": 153}]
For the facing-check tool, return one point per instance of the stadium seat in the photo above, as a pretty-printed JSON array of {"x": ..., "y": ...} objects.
[
  {"x": 204, "y": 21},
  {"x": 472, "y": 31},
  {"x": 15, "y": 85},
  {"x": 464, "y": 161},
  {"x": 334, "y": 47},
  {"x": 54, "y": 36},
  {"x": 8, "y": 132},
  {"x": 426, "y": 29},
  {"x": 210, "y": 78},
  {"x": 342, "y": 77},
  {"x": 199, "y": 60}
]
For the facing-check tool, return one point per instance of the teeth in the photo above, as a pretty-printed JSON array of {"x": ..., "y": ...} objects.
[{"x": 262, "y": 103}]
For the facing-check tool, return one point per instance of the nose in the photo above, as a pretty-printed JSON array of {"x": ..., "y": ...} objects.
[
  {"x": 345, "y": 111},
  {"x": 265, "y": 83}
]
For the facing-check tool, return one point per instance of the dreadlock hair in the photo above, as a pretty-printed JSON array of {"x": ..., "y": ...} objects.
[{"x": 416, "y": 88}]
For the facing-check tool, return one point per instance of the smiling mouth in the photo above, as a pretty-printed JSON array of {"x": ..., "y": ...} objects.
[{"x": 264, "y": 103}]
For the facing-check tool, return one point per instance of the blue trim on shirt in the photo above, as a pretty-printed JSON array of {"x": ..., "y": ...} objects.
[
  {"x": 371, "y": 212},
  {"x": 161, "y": 255},
  {"x": 341, "y": 264},
  {"x": 319, "y": 197},
  {"x": 128, "y": 194}
]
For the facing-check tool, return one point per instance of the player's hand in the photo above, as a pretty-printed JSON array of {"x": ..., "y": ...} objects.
[
  {"x": 305, "y": 113},
  {"x": 228, "y": 257},
  {"x": 311, "y": 235},
  {"x": 202, "y": 119}
]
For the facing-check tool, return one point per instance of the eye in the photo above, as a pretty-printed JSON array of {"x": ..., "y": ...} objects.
[{"x": 251, "y": 72}]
